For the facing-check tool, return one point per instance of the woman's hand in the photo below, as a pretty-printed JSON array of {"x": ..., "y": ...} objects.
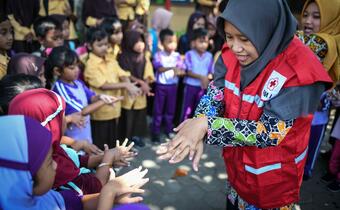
[{"x": 188, "y": 141}]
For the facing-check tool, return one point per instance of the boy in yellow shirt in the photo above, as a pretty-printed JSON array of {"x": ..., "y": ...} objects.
[{"x": 104, "y": 76}]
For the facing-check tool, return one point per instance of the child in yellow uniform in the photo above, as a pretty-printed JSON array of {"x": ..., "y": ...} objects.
[
  {"x": 6, "y": 41},
  {"x": 113, "y": 28},
  {"x": 104, "y": 76},
  {"x": 60, "y": 7},
  {"x": 133, "y": 59}
]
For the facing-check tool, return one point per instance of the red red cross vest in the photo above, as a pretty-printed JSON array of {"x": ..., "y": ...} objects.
[{"x": 270, "y": 177}]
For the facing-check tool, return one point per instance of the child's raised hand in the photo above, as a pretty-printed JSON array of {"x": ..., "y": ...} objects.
[
  {"x": 129, "y": 183},
  {"x": 125, "y": 151}
]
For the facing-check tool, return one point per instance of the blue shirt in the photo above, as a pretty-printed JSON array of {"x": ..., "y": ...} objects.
[
  {"x": 198, "y": 64},
  {"x": 77, "y": 96}
]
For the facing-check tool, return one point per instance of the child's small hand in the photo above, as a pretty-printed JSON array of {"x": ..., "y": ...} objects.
[
  {"x": 125, "y": 152},
  {"x": 133, "y": 90},
  {"x": 91, "y": 149},
  {"x": 129, "y": 183},
  {"x": 110, "y": 99},
  {"x": 204, "y": 82},
  {"x": 76, "y": 118},
  {"x": 145, "y": 88},
  {"x": 179, "y": 72}
]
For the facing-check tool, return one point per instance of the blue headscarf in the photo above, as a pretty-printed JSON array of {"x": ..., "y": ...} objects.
[{"x": 23, "y": 148}]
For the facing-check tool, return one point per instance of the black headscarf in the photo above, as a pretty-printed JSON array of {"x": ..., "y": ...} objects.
[
  {"x": 268, "y": 24},
  {"x": 130, "y": 60},
  {"x": 24, "y": 11}
]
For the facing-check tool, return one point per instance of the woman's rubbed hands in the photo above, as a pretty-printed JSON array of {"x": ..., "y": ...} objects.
[{"x": 188, "y": 141}]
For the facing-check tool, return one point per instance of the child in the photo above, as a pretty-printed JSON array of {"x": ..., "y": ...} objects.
[
  {"x": 49, "y": 34},
  {"x": 22, "y": 15},
  {"x": 24, "y": 63},
  {"x": 321, "y": 39},
  {"x": 64, "y": 8},
  {"x": 94, "y": 12},
  {"x": 168, "y": 65},
  {"x": 12, "y": 85},
  {"x": 259, "y": 108},
  {"x": 104, "y": 76},
  {"x": 64, "y": 21},
  {"x": 196, "y": 20},
  {"x": 133, "y": 59},
  {"x": 64, "y": 63},
  {"x": 199, "y": 65},
  {"x": 27, "y": 159},
  {"x": 161, "y": 19},
  {"x": 6, "y": 41},
  {"x": 73, "y": 170},
  {"x": 113, "y": 28}
]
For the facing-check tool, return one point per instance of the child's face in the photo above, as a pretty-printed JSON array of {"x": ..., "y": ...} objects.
[
  {"x": 42, "y": 77},
  {"x": 311, "y": 19},
  {"x": 170, "y": 43},
  {"x": 200, "y": 23},
  {"x": 44, "y": 179},
  {"x": 201, "y": 44},
  {"x": 66, "y": 30},
  {"x": 99, "y": 48},
  {"x": 211, "y": 31},
  {"x": 117, "y": 36},
  {"x": 139, "y": 47},
  {"x": 53, "y": 38},
  {"x": 70, "y": 73},
  {"x": 241, "y": 46},
  {"x": 6, "y": 35}
]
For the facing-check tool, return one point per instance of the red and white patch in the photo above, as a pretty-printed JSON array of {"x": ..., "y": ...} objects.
[{"x": 272, "y": 86}]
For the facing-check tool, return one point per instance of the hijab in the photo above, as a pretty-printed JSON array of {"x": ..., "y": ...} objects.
[
  {"x": 24, "y": 11},
  {"x": 330, "y": 32},
  {"x": 22, "y": 152},
  {"x": 24, "y": 63},
  {"x": 130, "y": 60},
  {"x": 269, "y": 25},
  {"x": 48, "y": 108},
  {"x": 161, "y": 19}
]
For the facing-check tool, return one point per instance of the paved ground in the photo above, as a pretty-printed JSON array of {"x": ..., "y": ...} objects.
[{"x": 205, "y": 190}]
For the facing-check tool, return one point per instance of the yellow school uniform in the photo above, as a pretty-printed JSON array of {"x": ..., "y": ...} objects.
[
  {"x": 99, "y": 71},
  {"x": 142, "y": 7},
  {"x": 58, "y": 7},
  {"x": 112, "y": 52},
  {"x": 140, "y": 101},
  {"x": 19, "y": 31},
  {"x": 125, "y": 11},
  {"x": 4, "y": 59}
]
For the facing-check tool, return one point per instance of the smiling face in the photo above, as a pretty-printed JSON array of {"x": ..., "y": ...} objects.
[
  {"x": 240, "y": 45},
  {"x": 311, "y": 19}
]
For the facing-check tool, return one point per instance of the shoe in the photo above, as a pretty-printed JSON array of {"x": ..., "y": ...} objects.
[
  {"x": 327, "y": 178},
  {"x": 138, "y": 141},
  {"x": 334, "y": 186},
  {"x": 156, "y": 138},
  {"x": 171, "y": 135}
]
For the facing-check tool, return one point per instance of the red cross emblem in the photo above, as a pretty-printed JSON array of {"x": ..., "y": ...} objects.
[{"x": 273, "y": 83}]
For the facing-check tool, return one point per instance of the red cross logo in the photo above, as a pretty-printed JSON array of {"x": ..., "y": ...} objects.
[{"x": 273, "y": 83}]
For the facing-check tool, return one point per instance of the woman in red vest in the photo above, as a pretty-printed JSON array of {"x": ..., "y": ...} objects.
[{"x": 259, "y": 108}]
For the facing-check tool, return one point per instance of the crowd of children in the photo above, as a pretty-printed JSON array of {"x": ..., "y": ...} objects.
[{"x": 86, "y": 96}]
